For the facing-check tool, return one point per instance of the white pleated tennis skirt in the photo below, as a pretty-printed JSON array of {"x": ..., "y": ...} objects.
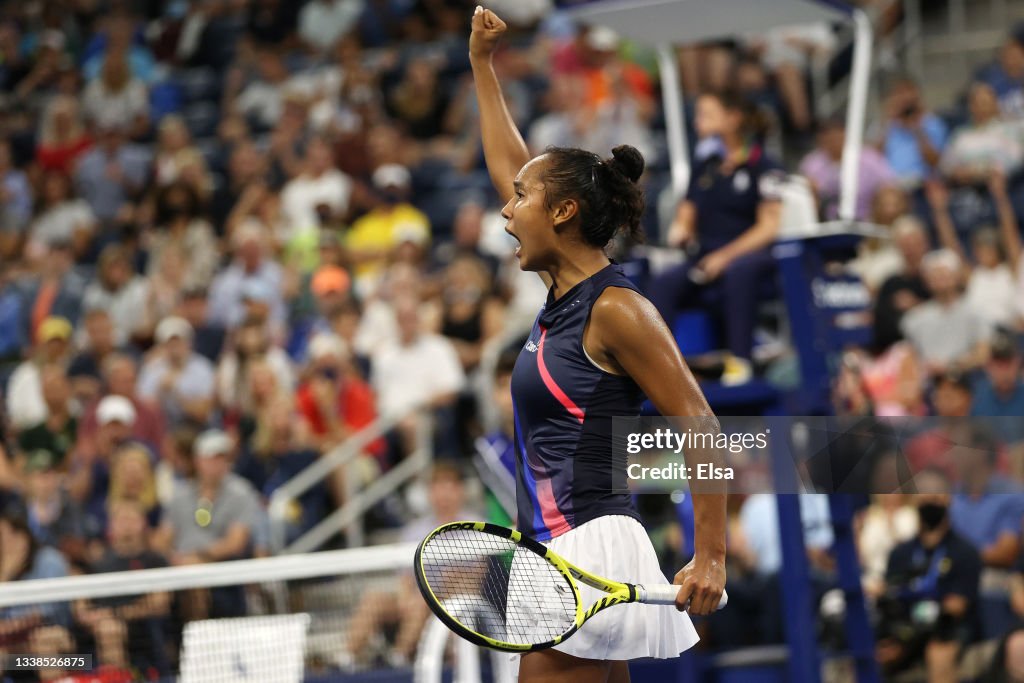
[{"x": 617, "y": 547}]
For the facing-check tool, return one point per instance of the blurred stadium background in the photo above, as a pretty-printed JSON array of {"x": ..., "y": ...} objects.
[{"x": 257, "y": 304}]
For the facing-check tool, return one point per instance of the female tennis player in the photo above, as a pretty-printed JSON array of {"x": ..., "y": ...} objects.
[{"x": 596, "y": 348}]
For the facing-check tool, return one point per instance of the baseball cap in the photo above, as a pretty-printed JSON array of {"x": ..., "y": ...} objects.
[
  {"x": 115, "y": 409},
  {"x": 391, "y": 175},
  {"x": 40, "y": 460},
  {"x": 411, "y": 233},
  {"x": 54, "y": 327},
  {"x": 328, "y": 279},
  {"x": 171, "y": 327},
  {"x": 212, "y": 442}
]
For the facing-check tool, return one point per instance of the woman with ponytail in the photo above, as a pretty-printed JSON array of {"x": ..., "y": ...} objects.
[
  {"x": 597, "y": 347},
  {"x": 727, "y": 222}
]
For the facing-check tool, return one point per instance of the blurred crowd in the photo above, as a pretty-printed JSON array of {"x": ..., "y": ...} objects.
[{"x": 233, "y": 233}]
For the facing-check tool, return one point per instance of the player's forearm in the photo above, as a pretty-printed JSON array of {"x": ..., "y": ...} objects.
[
  {"x": 709, "y": 526},
  {"x": 504, "y": 149}
]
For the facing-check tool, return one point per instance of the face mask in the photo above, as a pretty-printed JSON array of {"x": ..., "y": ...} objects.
[{"x": 932, "y": 515}]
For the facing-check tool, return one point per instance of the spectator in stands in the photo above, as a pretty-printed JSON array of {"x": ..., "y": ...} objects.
[
  {"x": 319, "y": 194},
  {"x": 334, "y": 400},
  {"x": 937, "y": 569},
  {"x": 180, "y": 227},
  {"x": 945, "y": 331},
  {"x": 209, "y": 335},
  {"x": 122, "y": 293},
  {"x": 132, "y": 480},
  {"x": 117, "y": 34},
  {"x": 987, "y": 508},
  {"x": 26, "y": 406},
  {"x": 260, "y": 102},
  {"x": 789, "y": 52},
  {"x": 174, "y": 143},
  {"x": 111, "y": 174},
  {"x": 211, "y": 518},
  {"x": 128, "y": 630},
  {"x": 467, "y": 239},
  {"x": 61, "y": 219},
  {"x": 24, "y": 559},
  {"x": 58, "y": 433},
  {"x": 911, "y": 136},
  {"x": 177, "y": 378},
  {"x": 889, "y": 520},
  {"x": 991, "y": 286},
  {"x": 470, "y": 314},
  {"x": 56, "y": 292},
  {"x": 401, "y": 607},
  {"x": 16, "y": 194},
  {"x": 563, "y": 123},
  {"x": 115, "y": 98},
  {"x": 999, "y": 397},
  {"x": 904, "y": 289},
  {"x": 727, "y": 223},
  {"x": 822, "y": 169},
  {"x": 119, "y": 375},
  {"x": 89, "y": 469},
  {"x": 54, "y": 518},
  {"x": 244, "y": 187},
  {"x": 756, "y": 550},
  {"x": 975, "y": 149},
  {"x": 376, "y": 235},
  {"x": 420, "y": 371},
  {"x": 250, "y": 346},
  {"x": 62, "y": 137},
  {"x": 253, "y": 273},
  {"x": 1005, "y": 76}
]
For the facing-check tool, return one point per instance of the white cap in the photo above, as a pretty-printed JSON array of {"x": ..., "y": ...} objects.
[
  {"x": 171, "y": 327},
  {"x": 212, "y": 442},
  {"x": 410, "y": 232},
  {"x": 390, "y": 175},
  {"x": 115, "y": 409},
  {"x": 327, "y": 345}
]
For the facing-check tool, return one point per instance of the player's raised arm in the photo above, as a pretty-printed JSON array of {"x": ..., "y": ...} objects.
[{"x": 504, "y": 148}]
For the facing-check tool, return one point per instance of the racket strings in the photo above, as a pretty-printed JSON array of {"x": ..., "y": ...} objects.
[{"x": 496, "y": 588}]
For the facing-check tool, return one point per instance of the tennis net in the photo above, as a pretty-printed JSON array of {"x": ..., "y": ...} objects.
[{"x": 318, "y": 616}]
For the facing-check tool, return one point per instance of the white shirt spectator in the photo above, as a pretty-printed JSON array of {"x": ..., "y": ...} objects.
[
  {"x": 942, "y": 334},
  {"x": 115, "y": 109},
  {"x": 127, "y": 306},
  {"x": 301, "y": 196},
  {"x": 60, "y": 223},
  {"x": 196, "y": 380},
  {"x": 759, "y": 518},
  {"x": 25, "y": 404},
  {"x": 408, "y": 376},
  {"x": 323, "y": 22},
  {"x": 992, "y": 294}
]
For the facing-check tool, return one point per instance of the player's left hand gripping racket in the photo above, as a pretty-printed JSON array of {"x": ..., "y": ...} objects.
[{"x": 500, "y": 589}]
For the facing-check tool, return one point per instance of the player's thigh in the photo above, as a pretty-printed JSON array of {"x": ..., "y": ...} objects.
[{"x": 552, "y": 666}]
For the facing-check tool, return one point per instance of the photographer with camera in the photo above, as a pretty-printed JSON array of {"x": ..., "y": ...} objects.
[
  {"x": 911, "y": 137},
  {"x": 928, "y": 608}
]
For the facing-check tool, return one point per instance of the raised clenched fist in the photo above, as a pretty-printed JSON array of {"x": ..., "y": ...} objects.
[{"x": 487, "y": 31}]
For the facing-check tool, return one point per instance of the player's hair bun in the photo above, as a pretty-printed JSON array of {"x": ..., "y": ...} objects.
[{"x": 628, "y": 161}]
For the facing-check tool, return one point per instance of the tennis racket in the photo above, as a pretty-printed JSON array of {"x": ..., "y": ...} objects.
[{"x": 500, "y": 589}]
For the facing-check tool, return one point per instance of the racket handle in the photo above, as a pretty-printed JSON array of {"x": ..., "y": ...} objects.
[{"x": 665, "y": 594}]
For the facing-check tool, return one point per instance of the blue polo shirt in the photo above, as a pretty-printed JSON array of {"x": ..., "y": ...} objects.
[
  {"x": 982, "y": 520},
  {"x": 727, "y": 204},
  {"x": 904, "y": 155},
  {"x": 1004, "y": 413}
]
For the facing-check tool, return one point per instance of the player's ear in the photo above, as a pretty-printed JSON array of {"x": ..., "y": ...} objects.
[{"x": 564, "y": 211}]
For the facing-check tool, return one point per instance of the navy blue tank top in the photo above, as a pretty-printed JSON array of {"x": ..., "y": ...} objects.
[{"x": 564, "y": 405}]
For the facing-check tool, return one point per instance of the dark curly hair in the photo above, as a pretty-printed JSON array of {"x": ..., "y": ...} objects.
[{"x": 606, "y": 189}]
